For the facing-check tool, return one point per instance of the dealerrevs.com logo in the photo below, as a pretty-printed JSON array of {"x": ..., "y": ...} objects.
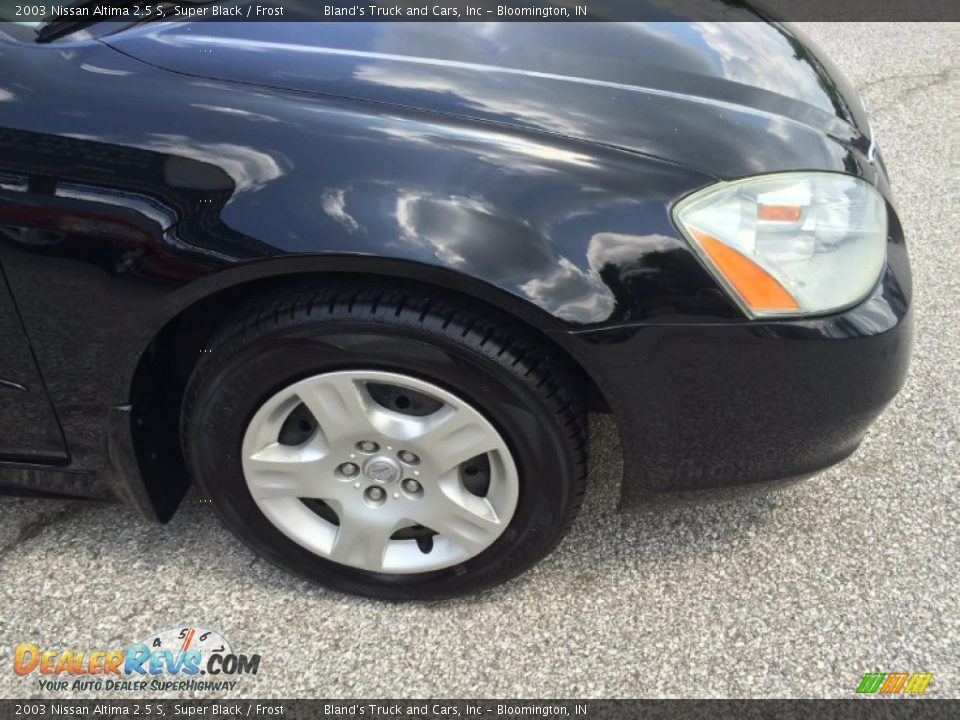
[{"x": 182, "y": 659}]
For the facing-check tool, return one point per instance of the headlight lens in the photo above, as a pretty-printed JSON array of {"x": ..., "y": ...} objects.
[{"x": 791, "y": 243}]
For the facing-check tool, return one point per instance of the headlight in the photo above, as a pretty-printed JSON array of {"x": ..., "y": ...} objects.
[{"x": 789, "y": 244}]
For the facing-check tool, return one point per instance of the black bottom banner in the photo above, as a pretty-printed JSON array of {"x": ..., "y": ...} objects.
[{"x": 509, "y": 709}]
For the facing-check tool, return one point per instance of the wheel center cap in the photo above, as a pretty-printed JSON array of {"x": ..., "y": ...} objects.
[{"x": 382, "y": 470}]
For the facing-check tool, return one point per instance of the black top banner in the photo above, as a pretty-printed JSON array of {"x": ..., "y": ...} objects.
[{"x": 476, "y": 10}]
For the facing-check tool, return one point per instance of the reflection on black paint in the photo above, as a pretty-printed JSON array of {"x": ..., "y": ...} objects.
[
  {"x": 129, "y": 210},
  {"x": 631, "y": 285}
]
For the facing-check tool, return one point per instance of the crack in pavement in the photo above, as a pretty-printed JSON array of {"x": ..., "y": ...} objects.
[
  {"x": 943, "y": 77},
  {"x": 35, "y": 527}
]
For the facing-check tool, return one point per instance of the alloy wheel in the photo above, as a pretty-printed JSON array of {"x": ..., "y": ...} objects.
[{"x": 380, "y": 471}]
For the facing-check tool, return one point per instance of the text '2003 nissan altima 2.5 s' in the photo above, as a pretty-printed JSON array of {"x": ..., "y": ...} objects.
[{"x": 363, "y": 284}]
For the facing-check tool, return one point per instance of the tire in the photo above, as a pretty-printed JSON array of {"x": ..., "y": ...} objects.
[{"x": 516, "y": 393}]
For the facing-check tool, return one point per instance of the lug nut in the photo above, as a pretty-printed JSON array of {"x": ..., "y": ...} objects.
[
  {"x": 349, "y": 469},
  {"x": 408, "y": 457},
  {"x": 367, "y": 446},
  {"x": 376, "y": 494},
  {"x": 411, "y": 486}
]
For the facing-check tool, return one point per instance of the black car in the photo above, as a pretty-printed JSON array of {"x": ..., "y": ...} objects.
[{"x": 363, "y": 282}]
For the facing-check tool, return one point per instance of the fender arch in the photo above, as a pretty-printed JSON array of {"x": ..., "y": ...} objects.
[{"x": 164, "y": 365}]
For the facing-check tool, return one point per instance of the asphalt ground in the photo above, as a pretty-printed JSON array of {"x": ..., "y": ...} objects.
[{"x": 794, "y": 594}]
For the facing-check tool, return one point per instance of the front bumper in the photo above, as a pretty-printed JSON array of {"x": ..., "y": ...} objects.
[{"x": 714, "y": 410}]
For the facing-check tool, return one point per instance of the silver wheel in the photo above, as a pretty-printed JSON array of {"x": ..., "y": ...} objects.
[{"x": 420, "y": 483}]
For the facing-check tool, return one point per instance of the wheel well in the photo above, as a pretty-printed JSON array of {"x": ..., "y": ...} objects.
[{"x": 161, "y": 376}]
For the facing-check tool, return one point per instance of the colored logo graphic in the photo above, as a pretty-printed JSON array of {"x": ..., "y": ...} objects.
[
  {"x": 185, "y": 652},
  {"x": 894, "y": 683}
]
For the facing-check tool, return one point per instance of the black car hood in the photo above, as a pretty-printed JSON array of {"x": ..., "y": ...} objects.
[{"x": 729, "y": 99}]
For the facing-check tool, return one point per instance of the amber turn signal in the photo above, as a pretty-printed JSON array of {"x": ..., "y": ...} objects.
[
  {"x": 752, "y": 283},
  {"x": 779, "y": 213}
]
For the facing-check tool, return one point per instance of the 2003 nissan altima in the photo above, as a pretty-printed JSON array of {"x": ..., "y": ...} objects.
[{"x": 362, "y": 282}]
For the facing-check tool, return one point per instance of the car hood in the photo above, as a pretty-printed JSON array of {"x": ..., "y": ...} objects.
[{"x": 729, "y": 99}]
